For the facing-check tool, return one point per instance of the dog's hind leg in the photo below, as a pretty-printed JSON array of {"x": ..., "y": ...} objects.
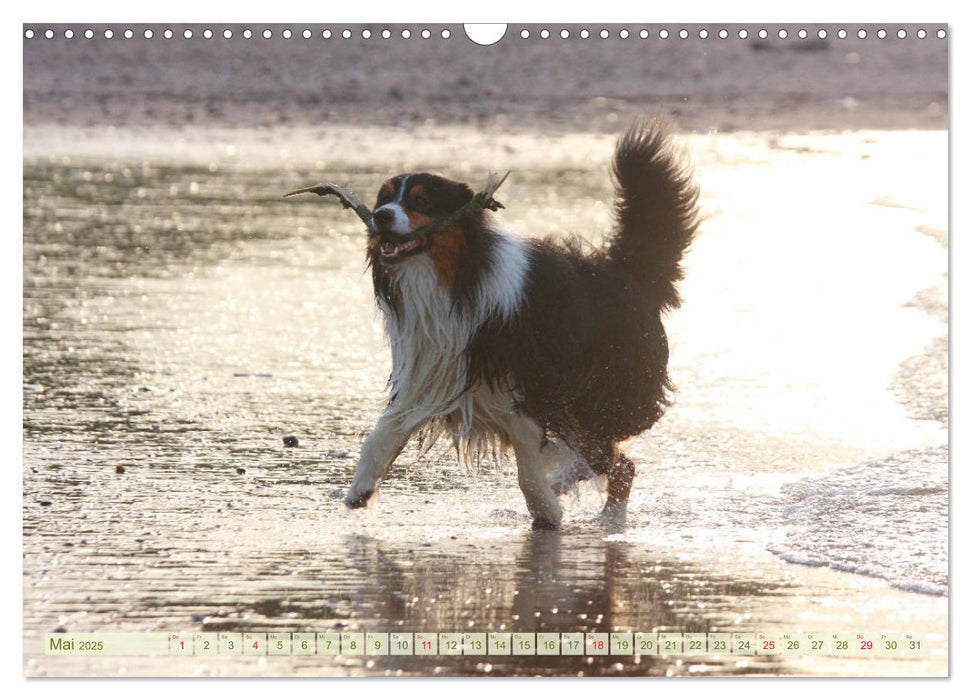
[
  {"x": 605, "y": 459},
  {"x": 380, "y": 449},
  {"x": 619, "y": 480}
]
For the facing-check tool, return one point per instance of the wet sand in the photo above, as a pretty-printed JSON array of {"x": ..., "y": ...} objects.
[{"x": 179, "y": 319}]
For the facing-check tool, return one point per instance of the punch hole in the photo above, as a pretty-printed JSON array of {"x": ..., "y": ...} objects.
[
  {"x": 425, "y": 34},
  {"x": 683, "y": 34},
  {"x": 346, "y": 33},
  {"x": 624, "y": 33},
  {"x": 545, "y": 34},
  {"x": 366, "y": 34},
  {"x": 148, "y": 34},
  {"x": 584, "y": 34},
  {"x": 524, "y": 34},
  {"x": 286, "y": 34},
  {"x": 604, "y": 33},
  {"x": 763, "y": 34},
  {"x": 88, "y": 34},
  {"x": 168, "y": 34},
  {"x": 187, "y": 34},
  {"x": 564, "y": 34},
  {"x": 663, "y": 33},
  {"x": 267, "y": 34},
  {"x": 742, "y": 33},
  {"x": 722, "y": 33},
  {"x": 29, "y": 34},
  {"x": 109, "y": 33},
  {"x": 882, "y": 34},
  {"x": 803, "y": 34},
  {"x": 227, "y": 34},
  {"x": 307, "y": 34},
  {"x": 902, "y": 34},
  {"x": 703, "y": 34},
  {"x": 207, "y": 34},
  {"x": 405, "y": 33},
  {"x": 841, "y": 33},
  {"x": 446, "y": 34},
  {"x": 68, "y": 34},
  {"x": 129, "y": 33},
  {"x": 941, "y": 34},
  {"x": 326, "y": 34},
  {"x": 861, "y": 33},
  {"x": 783, "y": 34},
  {"x": 247, "y": 33},
  {"x": 483, "y": 34},
  {"x": 644, "y": 34},
  {"x": 386, "y": 34}
]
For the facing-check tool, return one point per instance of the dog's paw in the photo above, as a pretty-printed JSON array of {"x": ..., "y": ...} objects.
[
  {"x": 357, "y": 500},
  {"x": 613, "y": 518},
  {"x": 545, "y": 524}
]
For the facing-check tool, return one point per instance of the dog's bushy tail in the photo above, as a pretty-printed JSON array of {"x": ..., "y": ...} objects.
[{"x": 655, "y": 209}]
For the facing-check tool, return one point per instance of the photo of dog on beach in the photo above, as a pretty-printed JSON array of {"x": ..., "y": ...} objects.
[{"x": 598, "y": 350}]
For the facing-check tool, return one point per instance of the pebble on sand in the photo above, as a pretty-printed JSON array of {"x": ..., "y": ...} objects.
[
  {"x": 343, "y": 453},
  {"x": 290, "y": 441}
]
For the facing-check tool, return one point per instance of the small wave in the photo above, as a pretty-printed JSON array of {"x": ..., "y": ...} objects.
[
  {"x": 884, "y": 518},
  {"x": 911, "y": 586}
]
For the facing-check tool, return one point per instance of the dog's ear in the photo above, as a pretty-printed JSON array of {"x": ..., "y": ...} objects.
[
  {"x": 461, "y": 193},
  {"x": 450, "y": 196}
]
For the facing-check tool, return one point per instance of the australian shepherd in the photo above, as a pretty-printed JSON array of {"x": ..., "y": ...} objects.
[{"x": 536, "y": 345}]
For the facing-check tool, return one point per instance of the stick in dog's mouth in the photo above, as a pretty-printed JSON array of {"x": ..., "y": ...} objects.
[{"x": 483, "y": 199}]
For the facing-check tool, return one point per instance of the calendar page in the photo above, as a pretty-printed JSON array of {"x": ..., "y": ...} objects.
[{"x": 536, "y": 349}]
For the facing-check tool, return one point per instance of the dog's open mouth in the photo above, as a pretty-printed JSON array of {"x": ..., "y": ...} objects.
[{"x": 395, "y": 251}]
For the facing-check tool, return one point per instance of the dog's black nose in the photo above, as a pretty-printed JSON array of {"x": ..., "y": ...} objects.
[{"x": 383, "y": 216}]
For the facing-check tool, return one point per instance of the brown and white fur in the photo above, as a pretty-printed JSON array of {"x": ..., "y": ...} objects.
[{"x": 500, "y": 340}]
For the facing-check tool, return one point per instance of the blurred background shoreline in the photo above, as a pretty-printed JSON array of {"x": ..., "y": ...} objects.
[{"x": 550, "y": 85}]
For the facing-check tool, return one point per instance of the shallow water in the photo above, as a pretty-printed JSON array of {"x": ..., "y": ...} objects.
[{"x": 180, "y": 319}]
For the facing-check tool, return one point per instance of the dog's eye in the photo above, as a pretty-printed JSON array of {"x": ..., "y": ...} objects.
[{"x": 420, "y": 201}]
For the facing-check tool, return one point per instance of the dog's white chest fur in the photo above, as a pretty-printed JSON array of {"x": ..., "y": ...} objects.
[{"x": 429, "y": 335}]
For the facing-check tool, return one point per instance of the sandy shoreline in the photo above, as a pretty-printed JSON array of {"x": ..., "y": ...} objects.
[{"x": 593, "y": 85}]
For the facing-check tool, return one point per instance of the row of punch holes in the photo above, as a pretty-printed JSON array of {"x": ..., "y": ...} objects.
[{"x": 486, "y": 38}]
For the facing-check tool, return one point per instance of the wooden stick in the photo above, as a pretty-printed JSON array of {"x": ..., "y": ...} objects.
[
  {"x": 348, "y": 199},
  {"x": 483, "y": 199}
]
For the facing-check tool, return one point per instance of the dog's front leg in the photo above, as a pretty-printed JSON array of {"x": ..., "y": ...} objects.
[
  {"x": 380, "y": 449},
  {"x": 527, "y": 441}
]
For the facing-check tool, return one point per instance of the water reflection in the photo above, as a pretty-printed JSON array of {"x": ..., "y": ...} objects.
[{"x": 534, "y": 582}]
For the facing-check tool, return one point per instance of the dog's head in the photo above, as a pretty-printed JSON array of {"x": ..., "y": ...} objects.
[{"x": 407, "y": 202}]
